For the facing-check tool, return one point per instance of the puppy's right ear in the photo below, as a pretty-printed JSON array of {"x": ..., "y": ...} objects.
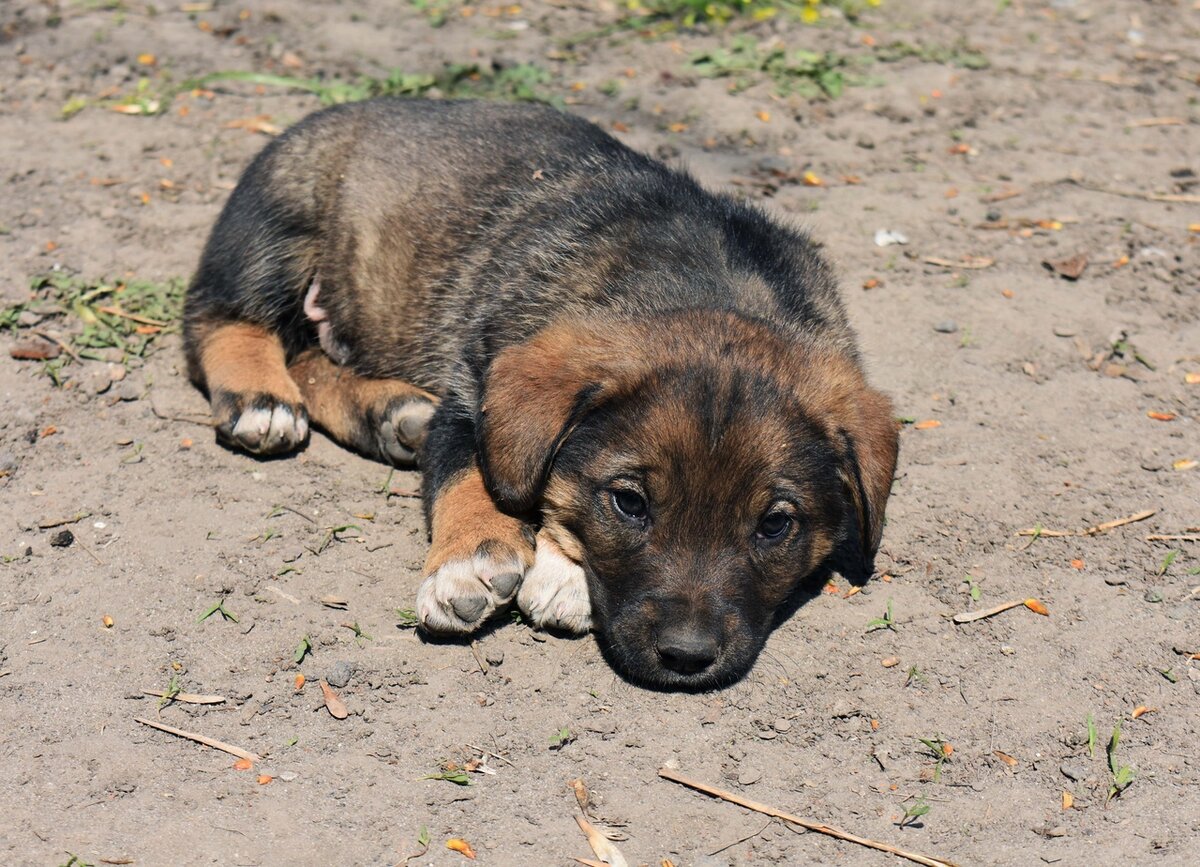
[{"x": 535, "y": 394}]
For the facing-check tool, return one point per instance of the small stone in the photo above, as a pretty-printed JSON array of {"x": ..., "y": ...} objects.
[
  {"x": 865, "y": 142},
  {"x": 1116, "y": 581},
  {"x": 1073, "y": 771},
  {"x": 128, "y": 391},
  {"x": 339, "y": 674},
  {"x": 288, "y": 776},
  {"x": 993, "y": 216},
  {"x": 888, "y": 237},
  {"x": 28, "y": 319},
  {"x": 946, "y": 326},
  {"x": 494, "y": 657},
  {"x": 749, "y": 776},
  {"x": 62, "y": 539},
  {"x": 34, "y": 349},
  {"x": 767, "y": 734},
  {"x": 1056, "y": 831},
  {"x": 1007, "y": 649},
  {"x": 1063, "y": 331},
  {"x": 1153, "y": 595},
  {"x": 8, "y": 462},
  {"x": 782, "y": 725}
]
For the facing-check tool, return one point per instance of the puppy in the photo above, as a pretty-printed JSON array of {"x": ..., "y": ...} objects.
[{"x": 638, "y": 405}]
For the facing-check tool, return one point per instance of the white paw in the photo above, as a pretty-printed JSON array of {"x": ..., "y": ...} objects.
[
  {"x": 460, "y": 595},
  {"x": 270, "y": 429},
  {"x": 554, "y": 594}
]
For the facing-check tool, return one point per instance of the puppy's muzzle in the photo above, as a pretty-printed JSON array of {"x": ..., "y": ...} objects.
[{"x": 688, "y": 648}]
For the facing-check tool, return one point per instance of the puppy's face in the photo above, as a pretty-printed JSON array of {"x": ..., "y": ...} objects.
[{"x": 698, "y": 481}]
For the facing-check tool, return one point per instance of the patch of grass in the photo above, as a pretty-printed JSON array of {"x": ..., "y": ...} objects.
[
  {"x": 522, "y": 82},
  {"x": 561, "y": 738},
  {"x": 941, "y": 752},
  {"x": 1166, "y": 563},
  {"x": 692, "y": 12},
  {"x": 958, "y": 54},
  {"x": 973, "y": 587},
  {"x": 919, "y": 808},
  {"x": 458, "y": 777},
  {"x": 218, "y": 608},
  {"x": 887, "y": 621},
  {"x": 408, "y": 618},
  {"x": 172, "y": 689},
  {"x": 1092, "y": 734},
  {"x": 810, "y": 74},
  {"x": 98, "y": 315},
  {"x": 1122, "y": 775},
  {"x": 303, "y": 649}
]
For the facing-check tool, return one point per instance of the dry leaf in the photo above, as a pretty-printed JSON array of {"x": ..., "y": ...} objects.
[
  {"x": 147, "y": 59},
  {"x": 1142, "y": 710},
  {"x": 1006, "y": 758},
  {"x": 334, "y": 602},
  {"x": 871, "y": 283},
  {"x": 461, "y": 846},
  {"x": 678, "y": 127},
  {"x": 764, "y": 116},
  {"x": 243, "y": 765},
  {"x": 604, "y": 848},
  {"x": 335, "y": 706},
  {"x": 1037, "y": 607},
  {"x": 874, "y": 725},
  {"x": 810, "y": 179},
  {"x": 258, "y": 123},
  {"x": 1184, "y": 464},
  {"x": 890, "y": 662},
  {"x": 1161, "y": 416},
  {"x": 581, "y": 794},
  {"x": 947, "y": 750},
  {"x": 620, "y": 127},
  {"x": 34, "y": 349},
  {"x": 1077, "y": 564},
  {"x": 928, "y": 424},
  {"x": 299, "y": 683},
  {"x": 1121, "y": 263},
  {"x": 1070, "y": 269},
  {"x": 1068, "y": 800},
  {"x": 263, "y": 779},
  {"x": 1192, "y": 378}
]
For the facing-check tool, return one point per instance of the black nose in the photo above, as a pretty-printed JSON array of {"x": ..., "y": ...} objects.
[{"x": 687, "y": 649}]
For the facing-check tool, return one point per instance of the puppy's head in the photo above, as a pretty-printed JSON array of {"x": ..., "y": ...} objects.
[{"x": 699, "y": 468}]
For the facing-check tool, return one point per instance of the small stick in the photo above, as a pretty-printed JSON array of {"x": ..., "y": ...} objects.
[
  {"x": 971, "y": 616},
  {"x": 288, "y": 596},
  {"x": 187, "y": 697},
  {"x": 132, "y": 317},
  {"x": 483, "y": 666},
  {"x": 1089, "y": 531},
  {"x": 59, "y": 522},
  {"x": 201, "y": 739},
  {"x": 482, "y": 751},
  {"x": 1178, "y": 537},
  {"x": 1178, "y": 198},
  {"x": 605, "y": 849},
  {"x": 208, "y": 422},
  {"x": 743, "y": 839},
  {"x": 63, "y": 346},
  {"x": 819, "y": 827},
  {"x": 1158, "y": 121}
]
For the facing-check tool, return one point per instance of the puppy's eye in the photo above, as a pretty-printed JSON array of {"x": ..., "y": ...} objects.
[
  {"x": 629, "y": 505},
  {"x": 775, "y": 525}
]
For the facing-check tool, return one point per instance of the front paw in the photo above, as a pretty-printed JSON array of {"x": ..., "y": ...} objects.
[
  {"x": 554, "y": 593},
  {"x": 457, "y": 596}
]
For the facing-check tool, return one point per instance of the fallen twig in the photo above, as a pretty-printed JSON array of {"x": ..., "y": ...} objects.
[
  {"x": 133, "y": 317},
  {"x": 1088, "y": 531},
  {"x": 201, "y": 739},
  {"x": 186, "y": 697},
  {"x": 819, "y": 827},
  {"x": 203, "y": 422},
  {"x": 1157, "y": 121},
  {"x": 1176, "y": 198},
  {"x": 65, "y": 347},
  {"x": 59, "y": 522},
  {"x": 742, "y": 839},
  {"x": 971, "y": 616},
  {"x": 1176, "y": 537},
  {"x": 971, "y": 263},
  {"x": 483, "y": 666}
]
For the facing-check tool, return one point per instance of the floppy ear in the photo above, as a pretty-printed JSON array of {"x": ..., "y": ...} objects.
[
  {"x": 870, "y": 444},
  {"x": 535, "y": 394}
]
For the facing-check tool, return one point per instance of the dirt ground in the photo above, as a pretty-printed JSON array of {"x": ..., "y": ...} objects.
[{"x": 1077, "y": 136}]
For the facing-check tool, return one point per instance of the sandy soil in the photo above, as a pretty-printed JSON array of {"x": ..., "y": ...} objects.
[{"x": 1086, "y": 113}]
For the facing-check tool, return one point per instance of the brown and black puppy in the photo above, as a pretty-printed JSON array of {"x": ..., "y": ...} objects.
[{"x": 638, "y": 405}]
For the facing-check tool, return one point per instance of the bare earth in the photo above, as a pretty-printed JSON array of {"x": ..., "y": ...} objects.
[{"x": 1040, "y": 424}]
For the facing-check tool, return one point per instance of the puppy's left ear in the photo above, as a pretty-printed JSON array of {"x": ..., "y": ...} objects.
[
  {"x": 535, "y": 394},
  {"x": 871, "y": 444}
]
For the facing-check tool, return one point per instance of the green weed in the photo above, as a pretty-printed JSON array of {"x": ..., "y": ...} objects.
[
  {"x": 887, "y": 621},
  {"x": 807, "y": 73},
  {"x": 1122, "y": 775}
]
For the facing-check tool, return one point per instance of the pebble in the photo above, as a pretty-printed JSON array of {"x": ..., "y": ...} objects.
[
  {"x": 1073, "y": 771},
  {"x": 767, "y": 734},
  {"x": 1153, "y": 596},
  {"x": 288, "y": 776},
  {"x": 340, "y": 673},
  {"x": 8, "y": 462},
  {"x": 993, "y": 216},
  {"x": 888, "y": 237},
  {"x": 1063, "y": 331},
  {"x": 128, "y": 391},
  {"x": 749, "y": 776},
  {"x": 1116, "y": 581},
  {"x": 494, "y": 657},
  {"x": 62, "y": 539},
  {"x": 782, "y": 725},
  {"x": 946, "y": 326},
  {"x": 865, "y": 142}
]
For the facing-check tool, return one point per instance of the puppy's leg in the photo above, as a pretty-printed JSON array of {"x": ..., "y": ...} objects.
[
  {"x": 554, "y": 594},
  {"x": 255, "y": 403},
  {"x": 383, "y": 418},
  {"x": 478, "y": 554}
]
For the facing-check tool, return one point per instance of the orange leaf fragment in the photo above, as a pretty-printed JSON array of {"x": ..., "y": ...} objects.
[
  {"x": 1194, "y": 228},
  {"x": 1161, "y": 416},
  {"x": 853, "y": 591},
  {"x": 947, "y": 750},
  {"x": 1141, "y": 710},
  {"x": 147, "y": 59},
  {"x": 678, "y": 127},
  {"x": 186, "y": 443},
  {"x": 810, "y": 179},
  {"x": 928, "y": 424},
  {"x": 243, "y": 765},
  {"x": 1192, "y": 378},
  {"x": 298, "y": 684},
  {"x": 1068, "y": 800},
  {"x": 1005, "y": 757},
  {"x": 1037, "y": 607},
  {"x": 1185, "y": 464},
  {"x": 1121, "y": 263},
  {"x": 1007, "y": 293},
  {"x": 871, "y": 283},
  {"x": 48, "y": 431},
  {"x": 874, "y": 725},
  {"x": 890, "y": 662},
  {"x": 335, "y": 706},
  {"x": 461, "y": 846},
  {"x": 960, "y": 148},
  {"x": 1077, "y": 564},
  {"x": 831, "y": 588},
  {"x": 263, "y": 779},
  {"x": 764, "y": 116},
  {"x": 620, "y": 127}
]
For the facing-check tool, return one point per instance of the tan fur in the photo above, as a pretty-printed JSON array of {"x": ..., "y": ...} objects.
[
  {"x": 464, "y": 518},
  {"x": 243, "y": 359}
]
